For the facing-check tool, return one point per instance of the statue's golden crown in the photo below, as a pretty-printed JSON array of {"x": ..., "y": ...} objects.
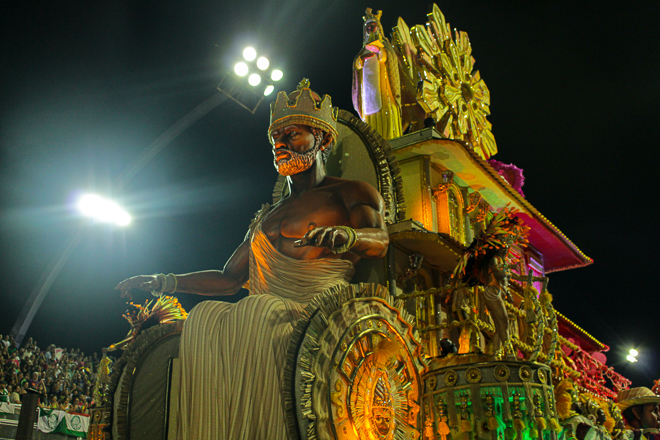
[
  {"x": 370, "y": 16},
  {"x": 305, "y": 107}
]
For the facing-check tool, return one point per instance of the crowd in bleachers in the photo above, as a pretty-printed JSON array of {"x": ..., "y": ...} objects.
[{"x": 65, "y": 379}]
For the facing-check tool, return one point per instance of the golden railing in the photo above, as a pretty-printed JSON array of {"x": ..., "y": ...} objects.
[{"x": 535, "y": 340}]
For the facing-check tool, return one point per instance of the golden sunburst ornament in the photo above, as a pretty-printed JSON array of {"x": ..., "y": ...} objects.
[{"x": 448, "y": 89}]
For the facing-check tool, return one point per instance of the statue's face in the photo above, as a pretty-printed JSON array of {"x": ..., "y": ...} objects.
[
  {"x": 294, "y": 148},
  {"x": 371, "y": 32},
  {"x": 383, "y": 420}
]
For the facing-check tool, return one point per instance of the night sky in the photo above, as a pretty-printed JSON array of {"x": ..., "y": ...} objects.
[{"x": 87, "y": 86}]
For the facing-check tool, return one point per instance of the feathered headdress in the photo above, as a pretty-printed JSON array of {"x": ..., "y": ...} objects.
[{"x": 503, "y": 231}]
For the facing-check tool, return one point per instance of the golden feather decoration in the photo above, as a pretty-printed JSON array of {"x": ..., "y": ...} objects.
[
  {"x": 563, "y": 399},
  {"x": 162, "y": 310}
]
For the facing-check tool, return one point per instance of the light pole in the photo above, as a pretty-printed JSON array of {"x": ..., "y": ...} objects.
[{"x": 231, "y": 87}]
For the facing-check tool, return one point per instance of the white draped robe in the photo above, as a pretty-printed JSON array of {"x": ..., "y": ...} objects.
[{"x": 232, "y": 355}]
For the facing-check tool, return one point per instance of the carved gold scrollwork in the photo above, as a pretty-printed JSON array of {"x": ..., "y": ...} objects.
[
  {"x": 473, "y": 201},
  {"x": 447, "y": 179},
  {"x": 335, "y": 397},
  {"x": 440, "y": 189}
]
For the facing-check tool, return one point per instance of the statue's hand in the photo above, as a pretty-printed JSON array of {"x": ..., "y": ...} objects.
[
  {"x": 366, "y": 54},
  {"x": 143, "y": 282},
  {"x": 324, "y": 236}
]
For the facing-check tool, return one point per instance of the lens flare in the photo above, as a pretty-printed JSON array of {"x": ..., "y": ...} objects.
[{"x": 103, "y": 210}]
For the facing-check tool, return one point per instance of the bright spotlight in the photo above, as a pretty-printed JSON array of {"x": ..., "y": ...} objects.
[
  {"x": 254, "y": 79},
  {"x": 103, "y": 210},
  {"x": 241, "y": 69},
  {"x": 634, "y": 352},
  {"x": 263, "y": 63},
  {"x": 276, "y": 75},
  {"x": 249, "y": 53},
  {"x": 269, "y": 90},
  {"x": 631, "y": 358}
]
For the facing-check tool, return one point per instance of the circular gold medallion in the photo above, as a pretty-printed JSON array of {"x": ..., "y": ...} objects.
[
  {"x": 473, "y": 375},
  {"x": 543, "y": 376},
  {"x": 451, "y": 378},
  {"x": 525, "y": 373},
  {"x": 502, "y": 372},
  {"x": 372, "y": 393}
]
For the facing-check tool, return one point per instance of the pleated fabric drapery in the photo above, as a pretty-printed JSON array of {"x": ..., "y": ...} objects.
[{"x": 232, "y": 355}]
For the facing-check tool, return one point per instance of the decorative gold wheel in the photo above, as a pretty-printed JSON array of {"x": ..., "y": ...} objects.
[{"x": 357, "y": 369}]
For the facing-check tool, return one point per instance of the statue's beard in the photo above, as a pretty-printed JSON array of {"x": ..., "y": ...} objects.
[{"x": 297, "y": 162}]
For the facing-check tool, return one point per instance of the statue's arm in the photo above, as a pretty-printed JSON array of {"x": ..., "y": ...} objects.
[
  {"x": 366, "y": 218},
  {"x": 219, "y": 282},
  {"x": 209, "y": 282},
  {"x": 365, "y": 208}
]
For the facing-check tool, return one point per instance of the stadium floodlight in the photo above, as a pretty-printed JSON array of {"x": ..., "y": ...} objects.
[
  {"x": 634, "y": 352},
  {"x": 241, "y": 69},
  {"x": 251, "y": 80},
  {"x": 631, "y": 358},
  {"x": 254, "y": 79},
  {"x": 249, "y": 54},
  {"x": 103, "y": 210},
  {"x": 276, "y": 75},
  {"x": 263, "y": 63}
]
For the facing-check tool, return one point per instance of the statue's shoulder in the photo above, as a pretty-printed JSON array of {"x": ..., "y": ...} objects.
[
  {"x": 259, "y": 216},
  {"x": 355, "y": 192}
]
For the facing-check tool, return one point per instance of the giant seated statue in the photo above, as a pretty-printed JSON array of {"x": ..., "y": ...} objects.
[{"x": 311, "y": 352}]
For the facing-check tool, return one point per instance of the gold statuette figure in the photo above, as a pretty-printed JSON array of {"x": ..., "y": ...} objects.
[{"x": 376, "y": 86}]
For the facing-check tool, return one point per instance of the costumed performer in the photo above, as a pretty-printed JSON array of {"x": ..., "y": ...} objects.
[
  {"x": 639, "y": 407},
  {"x": 233, "y": 355}
]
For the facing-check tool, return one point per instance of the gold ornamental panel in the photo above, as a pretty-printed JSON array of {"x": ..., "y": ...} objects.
[{"x": 358, "y": 369}]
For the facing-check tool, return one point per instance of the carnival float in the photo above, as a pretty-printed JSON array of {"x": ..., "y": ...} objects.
[{"x": 453, "y": 335}]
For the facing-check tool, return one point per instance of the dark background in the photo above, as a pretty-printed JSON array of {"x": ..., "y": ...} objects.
[{"x": 86, "y": 86}]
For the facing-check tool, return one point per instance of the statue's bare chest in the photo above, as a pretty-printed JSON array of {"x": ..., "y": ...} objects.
[{"x": 293, "y": 217}]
